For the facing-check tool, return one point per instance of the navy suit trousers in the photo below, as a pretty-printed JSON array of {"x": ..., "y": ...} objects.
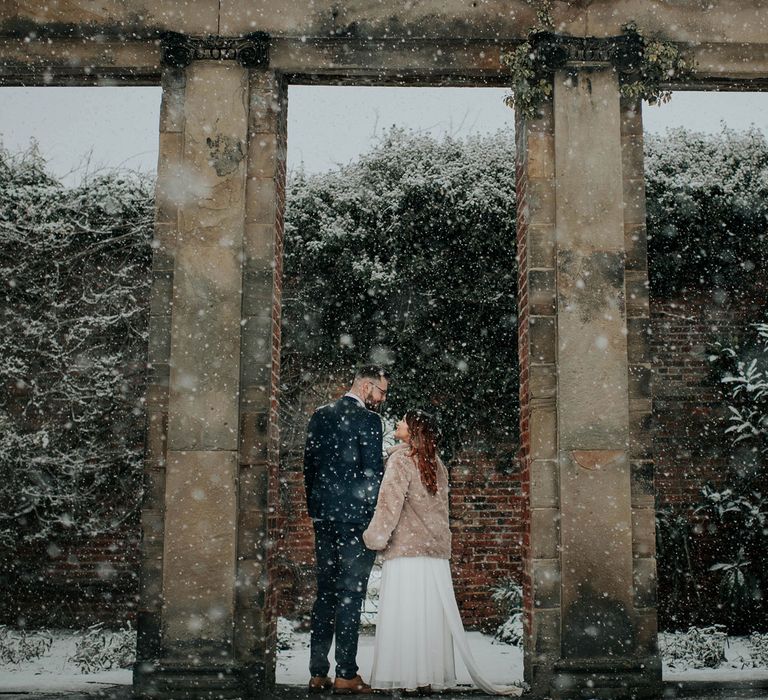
[{"x": 344, "y": 564}]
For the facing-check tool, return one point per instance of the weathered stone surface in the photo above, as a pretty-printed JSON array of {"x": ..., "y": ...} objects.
[
  {"x": 541, "y": 292},
  {"x": 259, "y": 237},
  {"x": 542, "y": 381},
  {"x": 592, "y": 354},
  {"x": 640, "y": 381},
  {"x": 159, "y": 345},
  {"x": 637, "y": 293},
  {"x": 542, "y": 333},
  {"x": 209, "y": 192},
  {"x": 541, "y": 201},
  {"x": 644, "y": 532},
  {"x": 645, "y": 582},
  {"x": 253, "y": 427},
  {"x": 643, "y": 492},
  {"x": 545, "y": 533},
  {"x": 200, "y": 545},
  {"x": 257, "y": 290},
  {"x": 205, "y": 349},
  {"x": 546, "y": 632},
  {"x": 161, "y": 294},
  {"x": 588, "y": 150},
  {"x": 157, "y": 425},
  {"x": 541, "y": 155},
  {"x": 541, "y": 246},
  {"x": 154, "y": 489},
  {"x": 727, "y": 21},
  {"x": 545, "y": 487},
  {"x": 636, "y": 245},
  {"x": 169, "y": 171},
  {"x": 647, "y": 632},
  {"x": 262, "y": 201},
  {"x": 172, "y": 103},
  {"x": 546, "y": 583},
  {"x": 634, "y": 202},
  {"x": 640, "y": 434},
  {"x": 632, "y": 157},
  {"x": 152, "y": 529},
  {"x": 543, "y": 428},
  {"x": 151, "y": 583},
  {"x": 595, "y": 498},
  {"x": 639, "y": 340}
]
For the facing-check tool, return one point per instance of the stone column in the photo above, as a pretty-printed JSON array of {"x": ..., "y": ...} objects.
[
  {"x": 205, "y": 628},
  {"x": 589, "y": 558},
  {"x": 255, "y": 630}
]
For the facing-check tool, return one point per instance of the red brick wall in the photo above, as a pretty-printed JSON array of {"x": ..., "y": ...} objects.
[
  {"x": 523, "y": 350},
  {"x": 689, "y": 446},
  {"x": 73, "y": 583}
]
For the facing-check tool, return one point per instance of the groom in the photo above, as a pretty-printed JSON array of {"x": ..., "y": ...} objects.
[{"x": 343, "y": 468}]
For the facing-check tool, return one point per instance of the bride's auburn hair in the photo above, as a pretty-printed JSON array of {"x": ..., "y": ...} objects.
[{"x": 424, "y": 436}]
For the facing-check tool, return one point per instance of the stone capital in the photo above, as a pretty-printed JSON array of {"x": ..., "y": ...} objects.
[
  {"x": 251, "y": 50},
  {"x": 555, "y": 51}
]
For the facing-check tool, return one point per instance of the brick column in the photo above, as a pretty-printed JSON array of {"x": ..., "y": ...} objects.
[
  {"x": 205, "y": 629},
  {"x": 588, "y": 554}
]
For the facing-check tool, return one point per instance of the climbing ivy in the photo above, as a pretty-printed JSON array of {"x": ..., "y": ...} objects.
[
  {"x": 644, "y": 68},
  {"x": 660, "y": 62}
]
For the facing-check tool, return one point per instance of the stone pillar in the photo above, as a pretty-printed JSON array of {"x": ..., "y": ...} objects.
[
  {"x": 255, "y": 630},
  {"x": 205, "y": 627},
  {"x": 585, "y": 396}
]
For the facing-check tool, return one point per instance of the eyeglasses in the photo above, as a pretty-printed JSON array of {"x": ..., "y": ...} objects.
[{"x": 383, "y": 391}]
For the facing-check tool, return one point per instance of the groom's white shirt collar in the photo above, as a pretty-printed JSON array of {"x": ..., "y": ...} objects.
[{"x": 356, "y": 398}]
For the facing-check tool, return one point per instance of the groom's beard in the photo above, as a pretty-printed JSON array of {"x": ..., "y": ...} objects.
[{"x": 376, "y": 408}]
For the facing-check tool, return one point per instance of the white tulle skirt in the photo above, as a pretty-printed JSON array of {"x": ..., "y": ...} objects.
[{"x": 417, "y": 625}]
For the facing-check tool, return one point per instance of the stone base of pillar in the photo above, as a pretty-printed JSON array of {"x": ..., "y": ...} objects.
[
  {"x": 177, "y": 681},
  {"x": 607, "y": 679}
]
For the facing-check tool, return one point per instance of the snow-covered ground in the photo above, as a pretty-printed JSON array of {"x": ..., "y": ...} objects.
[
  {"x": 736, "y": 667},
  {"x": 53, "y": 672},
  {"x": 501, "y": 663}
]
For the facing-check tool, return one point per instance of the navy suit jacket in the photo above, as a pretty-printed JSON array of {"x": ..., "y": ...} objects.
[{"x": 343, "y": 463}]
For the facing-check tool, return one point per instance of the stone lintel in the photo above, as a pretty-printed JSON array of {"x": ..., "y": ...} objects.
[{"x": 101, "y": 60}]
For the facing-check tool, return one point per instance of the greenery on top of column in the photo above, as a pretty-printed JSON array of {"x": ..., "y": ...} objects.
[{"x": 644, "y": 65}]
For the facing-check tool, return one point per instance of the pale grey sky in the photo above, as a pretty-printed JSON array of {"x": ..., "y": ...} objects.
[{"x": 327, "y": 126}]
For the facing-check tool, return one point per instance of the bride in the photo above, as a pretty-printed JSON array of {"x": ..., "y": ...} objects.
[{"x": 418, "y": 619}]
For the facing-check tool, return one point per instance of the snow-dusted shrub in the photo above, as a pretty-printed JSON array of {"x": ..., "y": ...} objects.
[
  {"x": 75, "y": 269},
  {"x": 21, "y": 646},
  {"x": 707, "y": 198},
  {"x": 98, "y": 649},
  {"x": 746, "y": 385},
  {"x": 407, "y": 257},
  {"x": 737, "y": 512},
  {"x": 286, "y": 634},
  {"x": 699, "y": 647},
  {"x": 509, "y": 596},
  {"x": 758, "y": 649}
]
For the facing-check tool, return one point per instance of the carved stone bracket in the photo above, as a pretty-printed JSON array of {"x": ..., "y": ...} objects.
[
  {"x": 553, "y": 51},
  {"x": 251, "y": 51}
]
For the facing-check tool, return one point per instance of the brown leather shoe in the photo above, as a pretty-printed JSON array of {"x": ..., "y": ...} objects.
[
  {"x": 353, "y": 686},
  {"x": 320, "y": 684}
]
